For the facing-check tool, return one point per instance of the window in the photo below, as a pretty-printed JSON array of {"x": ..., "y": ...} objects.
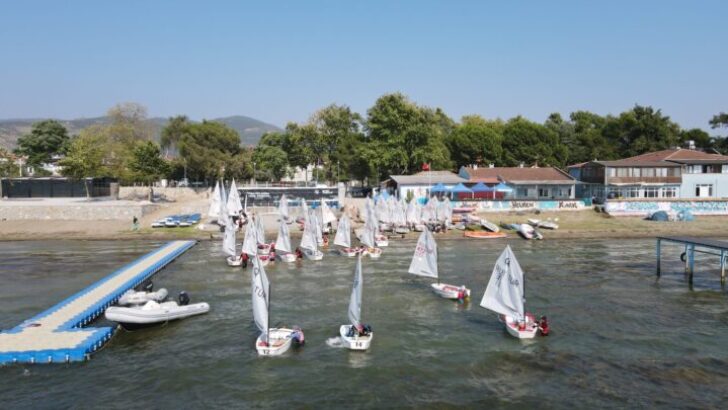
[
  {"x": 693, "y": 169},
  {"x": 703, "y": 190},
  {"x": 612, "y": 172},
  {"x": 725, "y": 169},
  {"x": 648, "y": 172},
  {"x": 622, "y": 172},
  {"x": 543, "y": 192},
  {"x": 669, "y": 192},
  {"x": 652, "y": 192}
]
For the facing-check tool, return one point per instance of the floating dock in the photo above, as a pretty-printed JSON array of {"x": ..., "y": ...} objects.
[
  {"x": 57, "y": 335},
  {"x": 695, "y": 245}
]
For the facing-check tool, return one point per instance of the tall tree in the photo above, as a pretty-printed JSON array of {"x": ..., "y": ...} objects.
[
  {"x": 86, "y": 156},
  {"x": 147, "y": 163},
  {"x": 172, "y": 133},
  {"x": 641, "y": 130},
  {"x": 530, "y": 143},
  {"x": 8, "y": 167},
  {"x": 338, "y": 129},
  {"x": 476, "y": 141},
  {"x": 46, "y": 138},
  {"x": 271, "y": 163},
  {"x": 129, "y": 124},
  {"x": 206, "y": 147}
]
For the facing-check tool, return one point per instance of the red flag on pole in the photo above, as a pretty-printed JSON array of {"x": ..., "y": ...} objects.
[{"x": 425, "y": 166}]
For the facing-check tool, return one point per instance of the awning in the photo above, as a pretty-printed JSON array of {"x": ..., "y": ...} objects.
[
  {"x": 439, "y": 188},
  {"x": 503, "y": 188},
  {"x": 481, "y": 187},
  {"x": 460, "y": 188}
]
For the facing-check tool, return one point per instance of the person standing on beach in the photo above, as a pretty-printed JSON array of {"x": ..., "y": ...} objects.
[{"x": 135, "y": 224}]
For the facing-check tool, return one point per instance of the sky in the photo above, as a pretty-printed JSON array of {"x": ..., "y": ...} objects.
[{"x": 279, "y": 61}]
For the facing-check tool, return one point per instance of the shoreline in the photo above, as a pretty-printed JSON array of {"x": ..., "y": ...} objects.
[{"x": 576, "y": 226}]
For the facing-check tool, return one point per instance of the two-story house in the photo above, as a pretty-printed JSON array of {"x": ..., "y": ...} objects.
[{"x": 672, "y": 173}]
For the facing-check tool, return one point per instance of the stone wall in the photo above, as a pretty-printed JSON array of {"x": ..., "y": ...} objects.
[
  {"x": 626, "y": 207},
  {"x": 168, "y": 194},
  {"x": 49, "y": 210}
]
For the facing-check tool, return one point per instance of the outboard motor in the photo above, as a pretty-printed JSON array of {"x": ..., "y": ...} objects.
[
  {"x": 148, "y": 286},
  {"x": 184, "y": 298}
]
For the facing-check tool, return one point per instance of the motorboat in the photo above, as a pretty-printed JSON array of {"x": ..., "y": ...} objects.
[{"x": 152, "y": 312}]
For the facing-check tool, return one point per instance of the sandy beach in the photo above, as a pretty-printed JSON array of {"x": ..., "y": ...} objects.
[{"x": 572, "y": 224}]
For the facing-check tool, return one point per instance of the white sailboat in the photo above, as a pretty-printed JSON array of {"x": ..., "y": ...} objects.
[
  {"x": 506, "y": 295},
  {"x": 283, "y": 209},
  {"x": 309, "y": 246},
  {"x": 263, "y": 246},
  {"x": 229, "y": 246},
  {"x": 283, "y": 244},
  {"x": 356, "y": 336},
  {"x": 369, "y": 233},
  {"x": 343, "y": 237},
  {"x": 327, "y": 216},
  {"x": 425, "y": 263},
  {"x": 234, "y": 205},
  {"x": 271, "y": 341},
  {"x": 214, "y": 210},
  {"x": 222, "y": 213}
]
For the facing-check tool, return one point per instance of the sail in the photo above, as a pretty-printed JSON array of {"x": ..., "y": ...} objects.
[
  {"x": 228, "y": 242},
  {"x": 327, "y": 215},
  {"x": 283, "y": 207},
  {"x": 233, "y": 201},
  {"x": 250, "y": 244},
  {"x": 260, "y": 288},
  {"x": 316, "y": 228},
  {"x": 283, "y": 241},
  {"x": 355, "y": 301},
  {"x": 308, "y": 241},
  {"x": 259, "y": 230},
  {"x": 222, "y": 212},
  {"x": 504, "y": 293},
  {"x": 441, "y": 211},
  {"x": 343, "y": 234},
  {"x": 447, "y": 209},
  {"x": 424, "y": 260},
  {"x": 214, "y": 210},
  {"x": 304, "y": 210},
  {"x": 413, "y": 214}
]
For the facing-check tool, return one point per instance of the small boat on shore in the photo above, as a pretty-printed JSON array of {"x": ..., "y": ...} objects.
[
  {"x": 527, "y": 231},
  {"x": 490, "y": 226},
  {"x": 484, "y": 235},
  {"x": 548, "y": 224}
]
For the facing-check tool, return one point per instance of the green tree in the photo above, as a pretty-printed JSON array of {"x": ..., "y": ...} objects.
[
  {"x": 641, "y": 130},
  {"x": 702, "y": 139},
  {"x": 271, "y": 163},
  {"x": 719, "y": 121},
  {"x": 206, "y": 147},
  {"x": 407, "y": 135},
  {"x": 147, "y": 163},
  {"x": 531, "y": 143},
  {"x": 86, "y": 156},
  {"x": 337, "y": 129},
  {"x": 46, "y": 138},
  {"x": 476, "y": 141},
  {"x": 8, "y": 167},
  {"x": 240, "y": 166},
  {"x": 172, "y": 132}
]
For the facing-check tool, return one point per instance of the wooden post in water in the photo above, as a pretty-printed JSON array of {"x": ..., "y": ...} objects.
[
  {"x": 658, "y": 258},
  {"x": 722, "y": 267},
  {"x": 686, "y": 258},
  {"x": 691, "y": 262}
]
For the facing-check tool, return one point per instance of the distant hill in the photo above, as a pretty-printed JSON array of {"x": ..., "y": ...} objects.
[{"x": 250, "y": 129}]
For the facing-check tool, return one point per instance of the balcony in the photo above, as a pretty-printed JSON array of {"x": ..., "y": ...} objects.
[{"x": 644, "y": 180}]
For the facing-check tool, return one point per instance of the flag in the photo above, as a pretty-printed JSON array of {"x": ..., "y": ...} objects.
[{"x": 425, "y": 166}]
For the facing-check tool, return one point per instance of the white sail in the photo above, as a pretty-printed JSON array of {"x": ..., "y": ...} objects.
[
  {"x": 430, "y": 210},
  {"x": 382, "y": 210},
  {"x": 316, "y": 228},
  {"x": 283, "y": 207},
  {"x": 355, "y": 300},
  {"x": 504, "y": 293},
  {"x": 283, "y": 241},
  {"x": 343, "y": 234},
  {"x": 250, "y": 244},
  {"x": 260, "y": 288},
  {"x": 259, "y": 230},
  {"x": 327, "y": 215},
  {"x": 413, "y": 214},
  {"x": 214, "y": 210},
  {"x": 228, "y": 243},
  {"x": 222, "y": 212},
  {"x": 233, "y": 201},
  {"x": 424, "y": 260},
  {"x": 308, "y": 241},
  {"x": 441, "y": 211},
  {"x": 447, "y": 211}
]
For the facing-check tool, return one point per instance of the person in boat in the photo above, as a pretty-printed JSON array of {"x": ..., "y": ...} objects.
[
  {"x": 244, "y": 256},
  {"x": 462, "y": 294},
  {"x": 326, "y": 239},
  {"x": 299, "y": 253},
  {"x": 543, "y": 326},
  {"x": 298, "y": 336}
]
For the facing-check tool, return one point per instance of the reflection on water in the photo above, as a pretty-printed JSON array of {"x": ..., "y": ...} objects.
[{"x": 620, "y": 338}]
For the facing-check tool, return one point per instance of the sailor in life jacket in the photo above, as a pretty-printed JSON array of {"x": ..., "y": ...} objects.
[{"x": 543, "y": 326}]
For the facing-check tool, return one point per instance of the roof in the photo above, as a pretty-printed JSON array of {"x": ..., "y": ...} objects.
[
  {"x": 579, "y": 165},
  {"x": 518, "y": 175},
  {"x": 428, "y": 178},
  {"x": 667, "y": 157},
  {"x": 460, "y": 188}
]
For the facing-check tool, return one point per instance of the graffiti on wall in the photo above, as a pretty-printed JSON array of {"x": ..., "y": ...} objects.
[
  {"x": 640, "y": 208},
  {"x": 549, "y": 205}
]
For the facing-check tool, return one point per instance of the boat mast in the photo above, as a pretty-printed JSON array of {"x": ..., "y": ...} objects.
[{"x": 267, "y": 330}]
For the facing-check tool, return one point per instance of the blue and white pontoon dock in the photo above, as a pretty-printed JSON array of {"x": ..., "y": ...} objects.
[
  {"x": 58, "y": 334},
  {"x": 692, "y": 246}
]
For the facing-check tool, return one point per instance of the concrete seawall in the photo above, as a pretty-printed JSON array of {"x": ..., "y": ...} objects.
[{"x": 73, "y": 209}]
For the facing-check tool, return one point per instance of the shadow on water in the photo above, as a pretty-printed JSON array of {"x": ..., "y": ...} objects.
[{"x": 620, "y": 337}]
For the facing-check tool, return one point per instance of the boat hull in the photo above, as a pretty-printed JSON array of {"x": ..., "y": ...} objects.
[
  {"x": 484, "y": 235},
  {"x": 137, "y": 317},
  {"x": 355, "y": 342},
  {"x": 234, "y": 261},
  {"x": 373, "y": 253},
  {"x": 450, "y": 291},
  {"x": 139, "y": 298},
  {"x": 381, "y": 241},
  {"x": 286, "y": 257},
  {"x": 279, "y": 342},
  {"x": 529, "y": 331},
  {"x": 313, "y": 255}
]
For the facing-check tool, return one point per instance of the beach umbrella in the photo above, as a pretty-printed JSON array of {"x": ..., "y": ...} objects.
[
  {"x": 439, "y": 188},
  {"x": 481, "y": 187},
  {"x": 461, "y": 189}
]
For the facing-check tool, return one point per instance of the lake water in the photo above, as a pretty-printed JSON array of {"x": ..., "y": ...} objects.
[{"x": 619, "y": 337}]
